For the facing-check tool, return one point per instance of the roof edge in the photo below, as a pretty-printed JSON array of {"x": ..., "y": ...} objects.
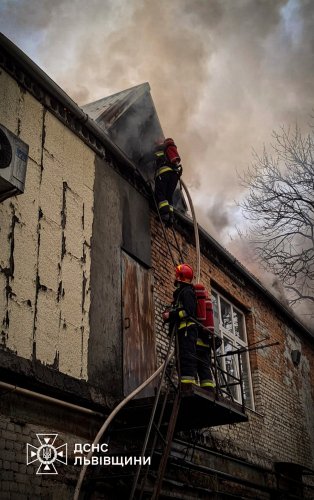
[
  {"x": 135, "y": 92},
  {"x": 41, "y": 78}
]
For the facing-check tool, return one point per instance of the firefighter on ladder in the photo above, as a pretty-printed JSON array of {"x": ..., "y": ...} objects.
[
  {"x": 193, "y": 341},
  {"x": 168, "y": 172}
]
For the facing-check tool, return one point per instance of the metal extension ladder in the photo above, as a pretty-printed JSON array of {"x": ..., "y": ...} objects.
[{"x": 154, "y": 429}]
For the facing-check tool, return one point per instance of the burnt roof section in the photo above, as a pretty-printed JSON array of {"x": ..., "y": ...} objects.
[
  {"x": 45, "y": 90},
  {"x": 109, "y": 109},
  {"x": 131, "y": 121}
]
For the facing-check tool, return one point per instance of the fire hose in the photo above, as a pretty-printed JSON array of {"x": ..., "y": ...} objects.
[
  {"x": 107, "y": 422},
  {"x": 197, "y": 240}
]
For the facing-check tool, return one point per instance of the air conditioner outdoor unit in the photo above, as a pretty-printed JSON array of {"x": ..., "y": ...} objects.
[{"x": 13, "y": 161}]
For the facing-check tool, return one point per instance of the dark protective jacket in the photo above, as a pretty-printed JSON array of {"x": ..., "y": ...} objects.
[{"x": 184, "y": 306}]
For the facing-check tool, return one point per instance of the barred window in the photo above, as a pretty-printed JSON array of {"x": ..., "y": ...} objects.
[{"x": 230, "y": 327}]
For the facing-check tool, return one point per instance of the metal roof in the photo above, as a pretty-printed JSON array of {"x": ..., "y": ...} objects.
[{"x": 109, "y": 109}]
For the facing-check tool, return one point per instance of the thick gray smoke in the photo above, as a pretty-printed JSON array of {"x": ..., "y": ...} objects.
[{"x": 223, "y": 74}]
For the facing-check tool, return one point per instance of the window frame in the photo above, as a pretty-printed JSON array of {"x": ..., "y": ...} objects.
[{"x": 236, "y": 342}]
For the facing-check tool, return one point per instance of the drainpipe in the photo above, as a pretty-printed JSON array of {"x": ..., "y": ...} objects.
[{"x": 48, "y": 399}]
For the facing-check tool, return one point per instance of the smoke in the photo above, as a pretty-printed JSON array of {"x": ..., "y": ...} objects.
[
  {"x": 244, "y": 251},
  {"x": 223, "y": 74}
]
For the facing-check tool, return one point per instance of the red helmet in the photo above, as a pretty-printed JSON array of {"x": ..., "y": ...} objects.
[
  {"x": 184, "y": 273},
  {"x": 169, "y": 141}
]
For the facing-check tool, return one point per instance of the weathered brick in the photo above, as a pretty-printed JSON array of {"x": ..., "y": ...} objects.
[
  {"x": 5, "y": 485},
  {"x": 17, "y": 496},
  {"x": 9, "y": 445},
  {"x": 8, "y": 435},
  {"x": 17, "y": 446},
  {"x": 9, "y": 455},
  {"x": 3, "y": 424},
  {"x": 7, "y": 475},
  {"x": 14, "y": 466},
  {"x": 22, "y": 468},
  {"x": 20, "y": 478},
  {"x": 13, "y": 486},
  {"x": 30, "y": 470},
  {"x": 22, "y": 488},
  {"x": 5, "y": 495}
]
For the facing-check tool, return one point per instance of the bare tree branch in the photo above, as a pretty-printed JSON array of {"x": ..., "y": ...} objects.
[{"x": 280, "y": 209}]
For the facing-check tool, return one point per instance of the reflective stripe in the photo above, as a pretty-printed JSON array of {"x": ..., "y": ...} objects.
[
  {"x": 171, "y": 208},
  {"x": 182, "y": 314},
  {"x": 207, "y": 383},
  {"x": 201, "y": 343},
  {"x": 162, "y": 170},
  {"x": 185, "y": 379},
  {"x": 185, "y": 324},
  {"x": 163, "y": 204}
]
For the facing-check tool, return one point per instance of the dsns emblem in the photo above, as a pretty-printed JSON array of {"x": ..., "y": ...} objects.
[{"x": 46, "y": 454}]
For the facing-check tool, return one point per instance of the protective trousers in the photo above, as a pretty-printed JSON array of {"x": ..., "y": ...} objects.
[
  {"x": 203, "y": 354},
  {"x": 187, "y": 354},
  {"x": 165, "y": 185}
]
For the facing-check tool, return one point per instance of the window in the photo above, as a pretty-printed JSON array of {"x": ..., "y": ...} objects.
[{"x": 230, "y": 326}]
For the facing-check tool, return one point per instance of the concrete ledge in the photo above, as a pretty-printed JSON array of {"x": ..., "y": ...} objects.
[{"x": 35, "y": 376}]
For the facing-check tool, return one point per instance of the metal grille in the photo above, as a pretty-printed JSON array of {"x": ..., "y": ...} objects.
[{"x": 5, "y": 150}]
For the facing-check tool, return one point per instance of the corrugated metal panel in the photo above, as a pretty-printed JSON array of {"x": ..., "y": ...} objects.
[
  {"x": 139, "y": 348},
  {"x": 110, "y": 108}
]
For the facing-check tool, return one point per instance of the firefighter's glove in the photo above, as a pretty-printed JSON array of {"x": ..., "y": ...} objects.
[{"x": 166, "y": 316}]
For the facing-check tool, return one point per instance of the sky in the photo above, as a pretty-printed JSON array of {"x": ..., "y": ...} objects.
[{"x": 223, "y": 75}]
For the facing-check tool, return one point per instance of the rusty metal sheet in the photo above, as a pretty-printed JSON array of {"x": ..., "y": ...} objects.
[{"x": 139, "y": 345}]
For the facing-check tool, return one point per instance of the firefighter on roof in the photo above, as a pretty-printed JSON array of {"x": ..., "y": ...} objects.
[{"x": 167, "y": 173}]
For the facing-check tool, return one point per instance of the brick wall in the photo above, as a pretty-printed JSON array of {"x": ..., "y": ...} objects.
[
  {"x": 281, "y": 428},
  {"x": 19, "y": 481}
]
